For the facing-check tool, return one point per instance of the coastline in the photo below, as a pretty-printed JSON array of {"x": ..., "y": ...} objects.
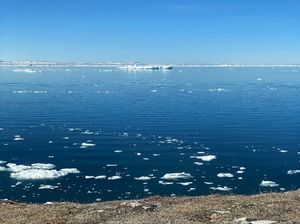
[{"x": 263, "y": 208}]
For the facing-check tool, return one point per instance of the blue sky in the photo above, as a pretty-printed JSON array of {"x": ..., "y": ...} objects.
[{"x": 164, "y": 31}]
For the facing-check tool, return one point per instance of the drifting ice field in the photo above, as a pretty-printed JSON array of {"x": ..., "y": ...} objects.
[{"x": 91, "y": 134}]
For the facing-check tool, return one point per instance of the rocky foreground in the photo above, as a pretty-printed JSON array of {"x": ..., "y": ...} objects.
[{"x": 256, "y": 209}]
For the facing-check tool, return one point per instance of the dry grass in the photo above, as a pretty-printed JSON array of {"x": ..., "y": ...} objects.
[{"x": 279, "y": 207}]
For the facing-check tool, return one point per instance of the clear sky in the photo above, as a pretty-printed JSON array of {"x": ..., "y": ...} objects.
[{"x": 164, "y": 31}]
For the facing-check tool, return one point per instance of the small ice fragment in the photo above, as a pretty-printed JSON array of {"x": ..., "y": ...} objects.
[
  {"x": 176, "y": 176},
  {"x": 225, "y": 188},
  {"x": 290, "y": 172},
  {"x": 206, "y": 158},
  {"x": 114, "y": 177},
  {"x": 222, "y": 175},
  {"x": 86, "y": 145},
  {"x": 100, "y": 177},
  {"x": 47, "y": 187},
  {"x": 185, "y": 183},
  {"x": 143, "y": 178},
  {"x": 268, "y": 183}
]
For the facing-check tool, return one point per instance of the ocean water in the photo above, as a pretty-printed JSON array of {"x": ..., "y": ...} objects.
[{"x": 230, "y": 130}]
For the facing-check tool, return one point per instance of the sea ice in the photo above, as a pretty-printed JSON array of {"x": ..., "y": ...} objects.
[
  {"x": 164, "y": 183},
  {"x": 143, "y": 178},
  {"x": 47, "y": 187},
  {"x": 185, "y": 183},
  {"x": 86, "y": 145},
  {"x": 268, "y": 183},
  {"x": 18, "y": 138},
  {"x": 222, "y": 175},
  {"x": 225, "y": 188},
  {"x": 100, "y": 177},
  {"x": 37, "y": 171},
  {"x": 206, "y": 158},
  {"x": 114, "y": 177},
  {"x": 293, "y": 172},
  {"x": 176, "y": 176}
]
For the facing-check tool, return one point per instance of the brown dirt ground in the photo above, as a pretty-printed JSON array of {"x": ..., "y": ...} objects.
[{"x": 279, "y": 207}]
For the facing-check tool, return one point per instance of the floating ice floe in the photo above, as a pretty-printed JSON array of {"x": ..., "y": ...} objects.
[
  {"x": 47, "y": 187},
  {"x": 111, "y": 165},
  {"x": 18, "y": 138},
  {"x": 225, "y": 188},
  {"x": 185, "y": 183},
  {"x": 206, "y": 158},
  {"x": 143, "y": 178},
  {"x": 290, "y": 172},
  {"x": 153, "y": 91},
  {"x": 268, "y": 183},
  {"x": 37, "y": 171},
  {"x": 100, "y": 177},
  {"x": 2, "y": 162},
  {"x": 114, "y": 177},
  {"x": 176, "y": 176},
  {"x": 222, "y": 175},
  {"x": 198, "y": 163},
  {"x": 209, "y": 183},
  {"x": 118, "y": 151},
  {"x": 165, "y": 183},
  {"x": 86, "y": 145}
]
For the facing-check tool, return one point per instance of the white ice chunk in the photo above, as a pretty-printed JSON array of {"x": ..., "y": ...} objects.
[
  {"x": 100, "y": 177},
  {"x": 268, "y": 183},
  {"x": 86, "y": 145},
  {"x": 176, "y": 176},
  {"x": 290, "y": 172},
  {"x": 143, "y": 178},
  {"x": 114, "y": 177},
  {"x": 222, "y": 175},
  {"x": 206, "y": 158},
  {"x": 47, "y": 187},
  {"x": 225, "y": 188}
]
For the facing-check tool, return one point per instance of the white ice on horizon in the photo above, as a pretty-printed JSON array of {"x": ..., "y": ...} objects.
[
  {"x": 27, "y": 70},
  {"x": 176, "y": 176},
  {"x": 268, "y": 183},
  {"x": 206, "y": 158}
]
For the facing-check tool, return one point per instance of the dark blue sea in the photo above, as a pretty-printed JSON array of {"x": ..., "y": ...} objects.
[{"x": 127, "y": 135}]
